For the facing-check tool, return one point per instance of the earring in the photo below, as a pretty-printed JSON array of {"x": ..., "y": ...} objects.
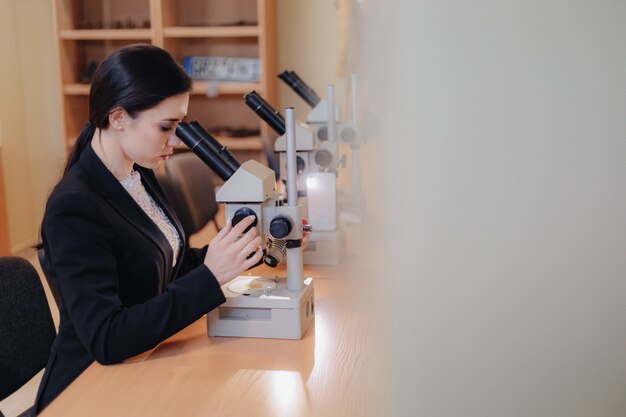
[{"x": 118, "y": 127}]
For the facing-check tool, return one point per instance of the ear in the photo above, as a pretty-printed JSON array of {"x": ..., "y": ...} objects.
[{"x": 117, "y": 117}]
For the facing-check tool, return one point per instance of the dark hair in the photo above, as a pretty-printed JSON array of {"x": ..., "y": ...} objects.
[{"x": 136, "y": 78}]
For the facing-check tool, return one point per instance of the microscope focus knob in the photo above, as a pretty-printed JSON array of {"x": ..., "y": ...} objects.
[
  {"x": 323, "y": 158},
  {"x": 280, "y": 227},
  {"x": 322, "y": 133},
  {"x": 348, "y": 134},
  {"x": 242, "y": 213},
  {"x": 300, "y": 165}
]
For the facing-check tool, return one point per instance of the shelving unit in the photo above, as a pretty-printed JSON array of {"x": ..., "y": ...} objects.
[
  {"x": 89, "y": 30},
  {"x": 4, "y": 235}
]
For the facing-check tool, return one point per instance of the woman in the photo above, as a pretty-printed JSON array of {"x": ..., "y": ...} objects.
[{"x": 116, "y": 252}]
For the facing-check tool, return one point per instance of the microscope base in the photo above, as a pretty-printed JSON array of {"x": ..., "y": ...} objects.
[
  {"x": 281, "y": 314},
  {"x": 325, "y": 248}
]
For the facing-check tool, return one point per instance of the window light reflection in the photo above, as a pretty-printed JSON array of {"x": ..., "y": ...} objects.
[{"x": 288, "y": 393}]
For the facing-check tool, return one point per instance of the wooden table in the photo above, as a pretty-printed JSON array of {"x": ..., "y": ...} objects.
[{"x": 337, "y": 369}]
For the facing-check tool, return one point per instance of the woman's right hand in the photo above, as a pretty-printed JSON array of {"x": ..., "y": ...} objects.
[{"x": 227, "y": 253}]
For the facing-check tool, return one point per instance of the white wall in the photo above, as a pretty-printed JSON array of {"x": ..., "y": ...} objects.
[
  {"x": 499, "y": 128},
  {"x": 16, "y": 164},
  {"x": 42, "y": 101},
  {"x": 29, "y": 114},
  {"x": 307, "y": 44}
]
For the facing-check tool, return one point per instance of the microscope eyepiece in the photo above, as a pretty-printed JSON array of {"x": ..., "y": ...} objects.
[
  {"x": 305, "y": 85},
  {"x": 204, "y": 151},
  {"x": 307, "y": 94},
  {"x": 265, "y": 111},
  {"x": 221, "y": 151}
]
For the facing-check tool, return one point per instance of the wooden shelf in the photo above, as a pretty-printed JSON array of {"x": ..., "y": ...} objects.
[
  {"x": 4, "y": 229},
  {"x": 105, "y": 34},
  {"x": 249, "y": 143},
  {"x": 211, "y": 31},
  {"x": 184, "y": 28},
  {"x": 76, "y": 89},
  {"x": 218, "y": 88},
  {"x": 199, "y": 87}
]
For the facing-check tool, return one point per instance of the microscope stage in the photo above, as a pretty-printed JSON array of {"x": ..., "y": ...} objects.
[{"x": 263, "y": 307}]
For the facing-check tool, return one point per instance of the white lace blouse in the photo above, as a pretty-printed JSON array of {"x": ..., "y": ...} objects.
[{"x": 136, "y": 189}]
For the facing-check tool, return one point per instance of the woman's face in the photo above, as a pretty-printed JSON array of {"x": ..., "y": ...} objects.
[{"x": 149, "y": 138}]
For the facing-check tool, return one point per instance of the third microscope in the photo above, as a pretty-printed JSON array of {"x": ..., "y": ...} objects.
[{"x": 326, "y": 122}]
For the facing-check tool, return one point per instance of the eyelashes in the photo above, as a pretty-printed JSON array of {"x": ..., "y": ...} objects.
[{"x": 165, "y": 128}]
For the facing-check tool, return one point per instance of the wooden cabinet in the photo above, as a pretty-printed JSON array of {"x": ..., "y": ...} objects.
[
  {"x": 4, "y": 227},
  {"x": 89, "y": 30}
]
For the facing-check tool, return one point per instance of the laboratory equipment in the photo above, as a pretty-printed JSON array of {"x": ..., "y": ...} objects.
[
  {"x": 258, "y": 306},
  {"x": 315, "y": 181}
]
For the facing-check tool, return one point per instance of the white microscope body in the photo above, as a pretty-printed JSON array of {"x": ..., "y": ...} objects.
[
  {"x": 325, "y": 118},
  {"x": 330, "y": 132},
  {"x": 317, "y": 165},
  {"x": 317, "y": 187},
  {"x": 265, "y": 307}
]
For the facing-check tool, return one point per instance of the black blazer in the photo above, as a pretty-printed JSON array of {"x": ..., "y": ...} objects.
[{"x": 112, "y": 267}]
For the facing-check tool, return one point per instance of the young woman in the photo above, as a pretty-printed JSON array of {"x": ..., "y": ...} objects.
[{"x": 116, "y": 252}]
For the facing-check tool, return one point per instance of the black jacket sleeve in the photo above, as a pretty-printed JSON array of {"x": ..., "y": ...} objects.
[{"x": 80, "y": 242}]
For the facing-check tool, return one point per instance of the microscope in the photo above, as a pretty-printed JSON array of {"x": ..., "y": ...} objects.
[
  {"x": 257, "y": 306},
  {"x": 323, "y": 118},
  {"x": 316, "y": 172}
]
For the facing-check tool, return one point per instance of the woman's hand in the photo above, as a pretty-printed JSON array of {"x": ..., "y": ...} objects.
[{"x": 228, "y": 252}]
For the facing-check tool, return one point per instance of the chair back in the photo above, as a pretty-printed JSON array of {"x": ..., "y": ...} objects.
[
  {"x": 189, "y": 186},
  {"x": 26, "y": 326}
]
